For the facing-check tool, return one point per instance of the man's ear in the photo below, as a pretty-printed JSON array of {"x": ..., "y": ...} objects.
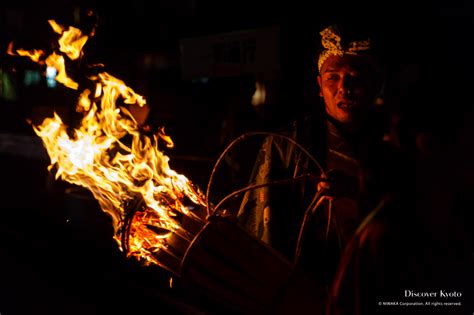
[{"x": 319, "y": 83}]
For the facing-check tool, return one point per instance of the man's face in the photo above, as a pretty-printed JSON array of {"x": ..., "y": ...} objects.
[{"x": 348, "y": 88}]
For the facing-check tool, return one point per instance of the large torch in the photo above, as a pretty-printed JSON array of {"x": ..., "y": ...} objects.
[{"x": 159, "y": 216}]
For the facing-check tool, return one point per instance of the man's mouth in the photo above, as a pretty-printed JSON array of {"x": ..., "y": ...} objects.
[{"x": 346, "y": 105}]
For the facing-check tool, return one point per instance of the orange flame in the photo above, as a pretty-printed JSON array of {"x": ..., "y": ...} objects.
[
  {"x": 57, "y": 61},
  {"x": 71, "y": 42},
  {"x": 108, "y": 155},
  {"x": 34, "y": 55}
]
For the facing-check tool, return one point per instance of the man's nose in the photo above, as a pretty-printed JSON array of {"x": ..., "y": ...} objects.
[{"x": 345, "y": 84}]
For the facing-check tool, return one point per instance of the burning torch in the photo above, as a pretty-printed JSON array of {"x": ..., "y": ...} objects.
[{"x": 159, "y": 216}]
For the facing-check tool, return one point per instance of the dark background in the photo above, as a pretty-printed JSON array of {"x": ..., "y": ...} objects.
[{"x": 57, "y": 255}]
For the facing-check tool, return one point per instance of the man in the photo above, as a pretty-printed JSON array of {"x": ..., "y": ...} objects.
[{"x": 347, "y": 140}]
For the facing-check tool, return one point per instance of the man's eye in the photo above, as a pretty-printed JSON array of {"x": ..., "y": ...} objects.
[{"x": 331, "y": 77}]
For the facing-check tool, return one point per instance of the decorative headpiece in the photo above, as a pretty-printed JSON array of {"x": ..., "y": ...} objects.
[{"x": 331, "y": 41}]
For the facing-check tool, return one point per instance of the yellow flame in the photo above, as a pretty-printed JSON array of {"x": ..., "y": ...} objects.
[
  {"x": 165, "y": 138},
  {"x": 57, "y": 61},
  {"x": 56, "y": 27},
  {"x": 108, "y": 155},
  {"x": 71, "y": 42},
  {"x": 34, "y": 55},
  {"x": 84, "y": 103},
  {"x": 98, "y": 90}
]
